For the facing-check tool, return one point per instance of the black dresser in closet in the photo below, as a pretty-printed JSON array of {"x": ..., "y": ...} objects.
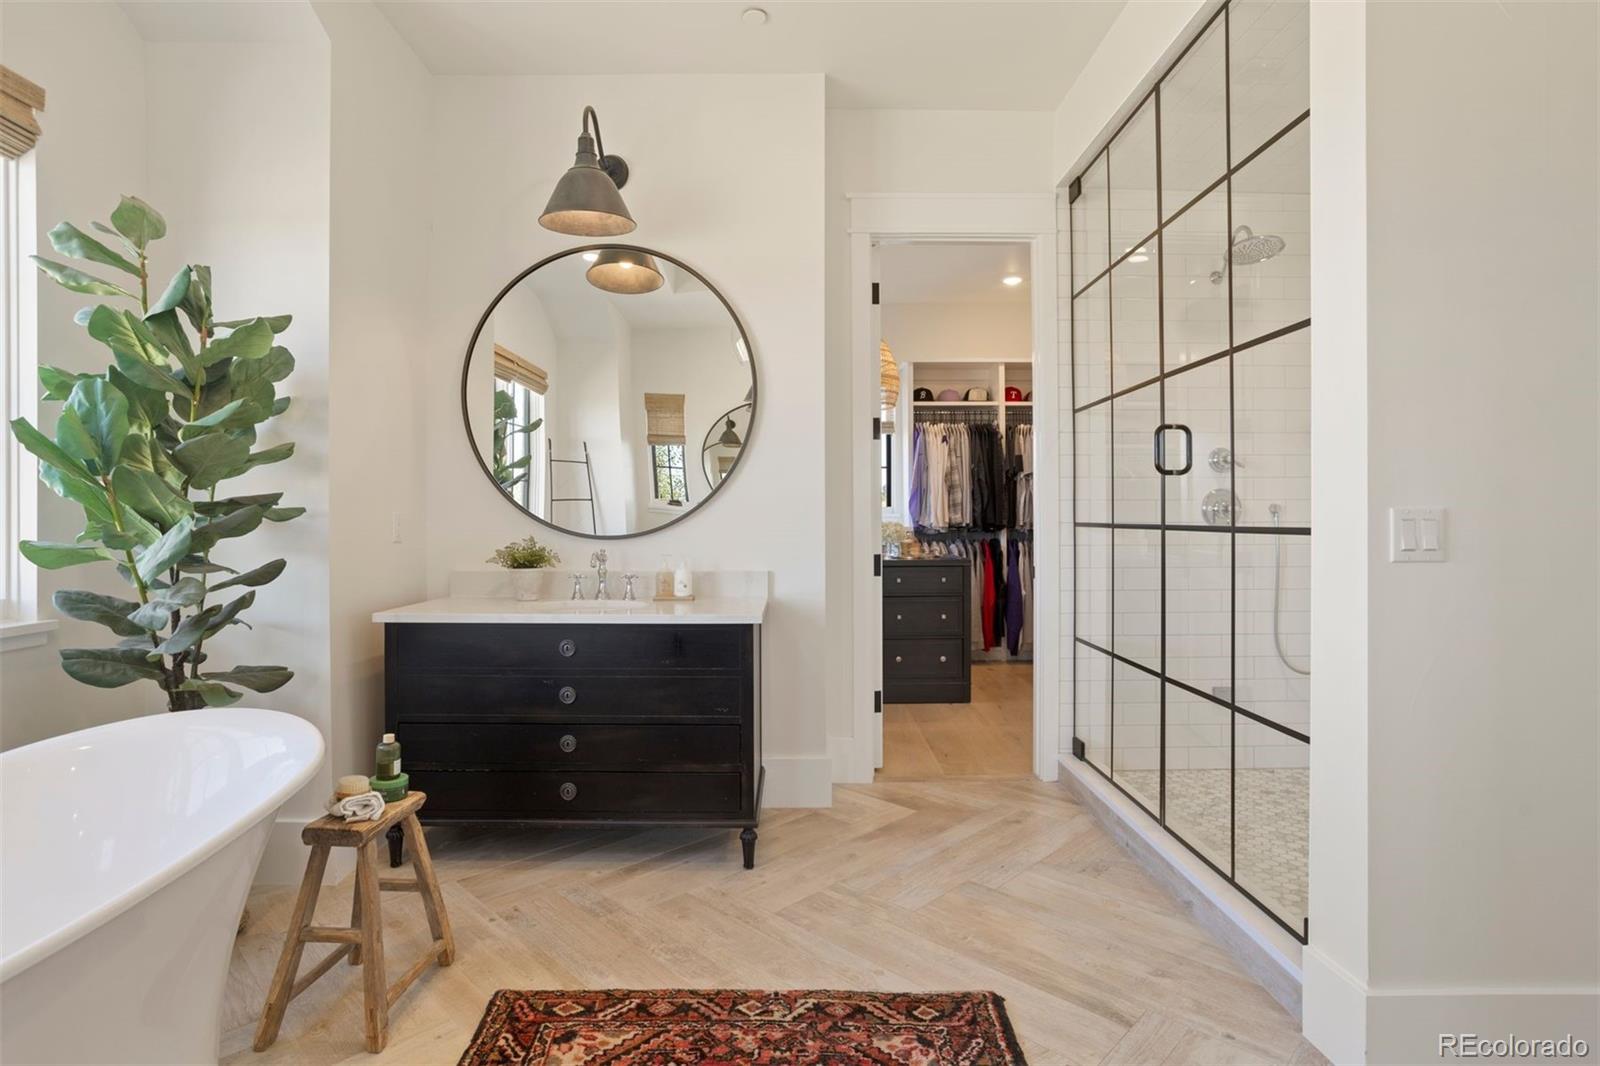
[{"x": 927, "y": 631}]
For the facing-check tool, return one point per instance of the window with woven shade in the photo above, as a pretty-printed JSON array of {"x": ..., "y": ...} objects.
[
  {"x": 19, "y": 127},
  {"x": 509, "y": 366},
  {"x": 20, "y": 98},
  {"x": 663, "y": 412}
]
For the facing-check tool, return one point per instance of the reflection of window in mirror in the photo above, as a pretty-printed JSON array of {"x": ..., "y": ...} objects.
[
  {"x": 671, "y": 487},
  {"x": 663, "y": 413},
  {"x": 519, "y": 389}
]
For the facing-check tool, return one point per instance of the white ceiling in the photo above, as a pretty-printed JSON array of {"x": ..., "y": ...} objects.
[
  {"x": 928, "y": 273},
  {"x": 973, "y": 54}
]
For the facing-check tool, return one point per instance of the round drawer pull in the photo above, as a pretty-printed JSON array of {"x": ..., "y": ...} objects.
[
  {"x": 568, "y": 648},
  {"x": 569, "y": 791},
  {"x": 943, "y": 580},
  {"x": 897, "y": 581},
  {"x": 942, "y": 617},
  {"x": 898, "y": 659},
  {"x": 941, "y": 658},
  {"x": 899, "y": 618},
  {"x": 568, "y": 694},
  {"x": 569, "y": 743}
]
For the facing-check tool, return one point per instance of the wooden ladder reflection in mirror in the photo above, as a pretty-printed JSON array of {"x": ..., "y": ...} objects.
[{"x": 588, "y": 470}]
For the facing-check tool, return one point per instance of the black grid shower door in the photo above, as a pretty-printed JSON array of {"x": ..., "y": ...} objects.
[{"x": 1190, "y": 341}]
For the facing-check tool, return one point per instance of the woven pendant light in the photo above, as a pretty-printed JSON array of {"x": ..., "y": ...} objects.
[{"x": 888, "y": 383}]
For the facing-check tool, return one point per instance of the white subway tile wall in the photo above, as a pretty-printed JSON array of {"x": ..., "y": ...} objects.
[{"x": 1212, "y": 596}]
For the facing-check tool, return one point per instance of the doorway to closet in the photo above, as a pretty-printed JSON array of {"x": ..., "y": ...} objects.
[{"x": 955, "y": 467}]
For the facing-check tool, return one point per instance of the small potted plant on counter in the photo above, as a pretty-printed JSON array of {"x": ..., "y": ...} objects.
[{"x": 525, "y": 559}]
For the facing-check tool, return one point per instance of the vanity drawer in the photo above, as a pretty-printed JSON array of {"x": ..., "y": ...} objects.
[
  {"x": 924, "y": 579},
  {"x": 557, "y": 745},
  {"x": 566, "y": 697},
  {"x": 916, "y": 617},
  {"x": 523, "y": 794},
  {"x": 934, "y": 659},
  {"x": 444, "y": 647}
]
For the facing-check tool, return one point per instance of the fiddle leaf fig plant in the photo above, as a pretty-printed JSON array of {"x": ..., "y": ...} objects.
[
  {"x": 510, "y": 472},
  {"x": 144, "y": 448}
]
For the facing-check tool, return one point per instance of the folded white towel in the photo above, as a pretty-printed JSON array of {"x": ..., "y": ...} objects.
[{"x": 367, "y": 807}]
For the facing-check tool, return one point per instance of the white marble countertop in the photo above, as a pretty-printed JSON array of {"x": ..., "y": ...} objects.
[{"x": 712, "y": 610}]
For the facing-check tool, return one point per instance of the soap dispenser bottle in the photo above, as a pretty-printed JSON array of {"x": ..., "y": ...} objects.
[
  {"x": 388, "y": 757},
  {"x": 682, "y": 581}
]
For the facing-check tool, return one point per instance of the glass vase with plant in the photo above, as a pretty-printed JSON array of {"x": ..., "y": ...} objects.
[{"x": 525, "y": 558}]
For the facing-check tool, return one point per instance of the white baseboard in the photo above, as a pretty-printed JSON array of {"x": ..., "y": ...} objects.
[
  {"x": 1334, "y": 1008},
  {"x": 284, "y": 861},
  {"x": 798, "y": 781},
  {"x": 1350, "y": 1022},
  {"x": 1407, "y": 1026},
  {"x": 846, "y": 771}
]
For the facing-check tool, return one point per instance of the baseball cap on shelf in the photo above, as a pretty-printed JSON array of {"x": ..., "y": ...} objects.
[
  {"x": 949, "y": 396},
  {"x": 922, "y": 395},
  {"x": 1013, "y": 394},
  {"x": 978, "y": 394}
]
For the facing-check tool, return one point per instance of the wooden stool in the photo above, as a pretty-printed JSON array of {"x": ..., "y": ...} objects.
[{"x": 363, "y": 940}]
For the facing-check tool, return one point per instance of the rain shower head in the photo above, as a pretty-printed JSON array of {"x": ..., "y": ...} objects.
[{"x": 1247, "y": 249}]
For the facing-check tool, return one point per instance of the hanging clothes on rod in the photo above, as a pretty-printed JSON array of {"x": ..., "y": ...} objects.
[{"x": 957, "y": 475}]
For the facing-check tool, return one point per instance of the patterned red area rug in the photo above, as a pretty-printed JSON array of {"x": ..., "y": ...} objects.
[{"x": 724, "y": 1028}]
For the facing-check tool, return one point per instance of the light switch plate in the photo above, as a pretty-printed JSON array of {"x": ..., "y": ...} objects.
[{"x": 1417, "y": 535}]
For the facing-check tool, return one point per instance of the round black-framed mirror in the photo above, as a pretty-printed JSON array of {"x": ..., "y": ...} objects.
[{"x": 581, "y": 377}]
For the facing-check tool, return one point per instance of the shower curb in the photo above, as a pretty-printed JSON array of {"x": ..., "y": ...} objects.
[{"x": 1276, "y": 967}]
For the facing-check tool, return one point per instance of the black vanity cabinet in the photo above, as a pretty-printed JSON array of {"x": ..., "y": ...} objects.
[
  {"x": 927, "y": 631},
  {"x": 615, "y": 724}
]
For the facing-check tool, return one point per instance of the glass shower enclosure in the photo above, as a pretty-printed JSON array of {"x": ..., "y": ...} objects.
[{"x": 1191, "y": 394}]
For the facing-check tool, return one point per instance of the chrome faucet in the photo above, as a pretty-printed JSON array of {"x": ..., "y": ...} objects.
[
  {"x": 627, "y": 586},
  {"x": 598, "y": 561},
  {"x": 577, "y": 586}
]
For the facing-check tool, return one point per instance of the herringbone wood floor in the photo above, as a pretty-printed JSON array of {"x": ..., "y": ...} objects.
[{"x": 1004, "y": 884}]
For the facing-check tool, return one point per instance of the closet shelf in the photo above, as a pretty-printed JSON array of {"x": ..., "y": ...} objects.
[{"x": 955, "y": 403}]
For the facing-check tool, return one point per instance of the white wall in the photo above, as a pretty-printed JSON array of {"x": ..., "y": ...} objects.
[
  {"x": 90, "y": 61},
  {"x": 933, "y": 333},
  {"x": 1482, "y": 669},
  {"x": 260, "y": 219},
  {"x": 377, "y": 308},
  {"x": 755, "y": 230},
  {"x": 893, "y": 151}
]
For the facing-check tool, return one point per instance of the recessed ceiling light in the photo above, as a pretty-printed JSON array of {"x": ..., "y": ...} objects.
[
  {"x": 589, "y": 257},
  {"x": 754, "y": 16},
  {"x": 1012, "y": 280}
]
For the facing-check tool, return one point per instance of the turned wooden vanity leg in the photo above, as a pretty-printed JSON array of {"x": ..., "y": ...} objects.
[
  {"x": 748, "y": 839},
  {"x": 397, "y": 840}
]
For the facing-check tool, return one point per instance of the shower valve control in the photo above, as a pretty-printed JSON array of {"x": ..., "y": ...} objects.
[{"x": 1416, "y": 535}]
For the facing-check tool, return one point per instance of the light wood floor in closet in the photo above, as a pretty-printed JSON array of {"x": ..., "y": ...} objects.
[
  {"x": 968, "y": 879},
  {"x": 990, "y": 737}
]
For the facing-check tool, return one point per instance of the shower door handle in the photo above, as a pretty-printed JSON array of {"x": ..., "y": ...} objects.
[{"x": 1160, "y": 448}]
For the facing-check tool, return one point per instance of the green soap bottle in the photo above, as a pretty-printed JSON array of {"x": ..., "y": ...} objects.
[{"x": 388, "y": 757}]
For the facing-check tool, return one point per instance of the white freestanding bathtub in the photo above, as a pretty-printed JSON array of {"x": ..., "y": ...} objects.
[{"x": 126, "y": 853}]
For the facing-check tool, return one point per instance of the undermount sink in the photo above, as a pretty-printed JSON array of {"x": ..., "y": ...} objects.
[{"x": 592, "y": 607}]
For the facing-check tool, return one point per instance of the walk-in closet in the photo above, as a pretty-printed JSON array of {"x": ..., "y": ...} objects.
[{"x": 957, "y": 456}]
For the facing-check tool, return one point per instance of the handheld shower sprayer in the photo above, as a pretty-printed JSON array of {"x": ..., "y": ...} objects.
[{"x": 1276, "y": 510}]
